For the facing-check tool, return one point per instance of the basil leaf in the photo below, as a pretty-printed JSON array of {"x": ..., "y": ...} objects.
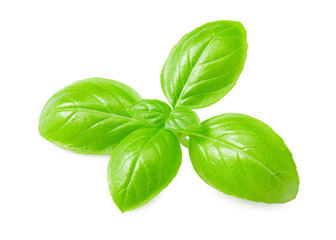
[
  {"x": 89, "y": 116},
  {"x": 242, "y": 156},
  {"x": 142, "y": 165},
  {"x": 205, "y": 64},
  {"x": 182, "y": 119},
  {"x": 151, "y": 111}
]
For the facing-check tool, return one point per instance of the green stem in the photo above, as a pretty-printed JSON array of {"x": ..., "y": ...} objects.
[{"x": 182, "y": 139}]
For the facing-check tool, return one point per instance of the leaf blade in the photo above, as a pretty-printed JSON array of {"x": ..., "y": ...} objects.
[
  {"x": 182, "y": 119},
  {"x": 151, "y": 111},
  {"x": 243, "y": 157},
  {"x": 202, "y": 55},
  {"x": 142, "y": 165},
  {"x": 89, "y": 116}
]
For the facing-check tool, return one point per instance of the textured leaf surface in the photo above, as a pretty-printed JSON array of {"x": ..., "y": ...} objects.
[
  {"x": 205, "y": 64},
  {"x": 89, "y": 116},
  {"x": 242, "y": 156},
  {"x": 150, "y": 111},
  {"x": 182, "y": 119},
  {"x": 142, "y": 165}
]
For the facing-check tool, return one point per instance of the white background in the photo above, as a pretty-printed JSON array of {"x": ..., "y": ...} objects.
[{"x": 288, "y": 82}]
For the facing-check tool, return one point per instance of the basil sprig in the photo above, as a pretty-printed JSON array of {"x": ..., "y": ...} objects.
[{"x": 235, "y": 153}]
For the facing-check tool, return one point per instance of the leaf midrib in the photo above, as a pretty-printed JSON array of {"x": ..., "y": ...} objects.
[
  {"x": 239, "y": 150},
  {"x": 88, "y": 110},
  {"x": 151, "y": 111},
  {"x": 196, "y": 64},
  {"x": 136, "y": 161}
]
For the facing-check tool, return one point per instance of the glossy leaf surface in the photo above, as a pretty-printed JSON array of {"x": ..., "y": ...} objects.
[
  {"x": 142, "y": 165},
  {"x": 205, "y": 64},
  {"x": 150, "y": 111},
  {"x": 89, "y": 116},
  {"x": 182, "y": 119},
  {"x": 242, "y": 156}
]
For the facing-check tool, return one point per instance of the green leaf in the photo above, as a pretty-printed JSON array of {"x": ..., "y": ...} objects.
[
  {"x": 142, "y": 165},
  {"x": 205, "y": 64},
  {"x": 182, "y": 119},
  {"x": 150, "y": 111},
  {"x": 242, "y": 156},
  {"x": 89, "y": 116}
]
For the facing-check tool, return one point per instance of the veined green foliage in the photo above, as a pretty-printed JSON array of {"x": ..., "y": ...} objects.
[
  {"x": 142, "y": 165},
  {"x": 89, "y": 116},
  {"x": 242, "y": 156},
  {"x": 236, "y": 154},
  {"x": 182, "y": 119},
  {"x": 150, "y": 111},
  {"x": 205, "y": 64}
]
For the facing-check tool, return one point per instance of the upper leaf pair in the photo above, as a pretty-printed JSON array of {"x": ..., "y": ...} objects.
[
  {"x": 234, "y": 153},
  {"x": 158, "y": 114}
]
